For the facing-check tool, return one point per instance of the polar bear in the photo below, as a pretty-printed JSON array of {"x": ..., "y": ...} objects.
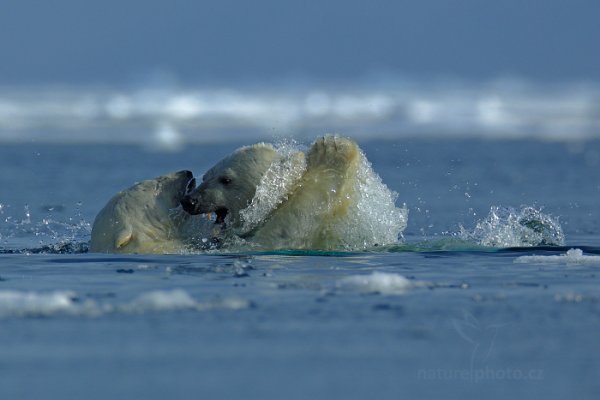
[
  {"x": 295, "y": 201},
  {"x": 138, "y": 220}
]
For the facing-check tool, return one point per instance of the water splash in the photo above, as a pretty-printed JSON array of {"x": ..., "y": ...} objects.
[
  {"x": 508, "y": 227},
  {"x": 30, "y": 233},
  {"x": 275, "y": 186},
  {"x": 375, "y": 220},
  {"x": 372, "y": 218}
]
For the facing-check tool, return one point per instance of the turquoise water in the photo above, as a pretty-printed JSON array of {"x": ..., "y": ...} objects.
[{"x": 444, "y": 313}]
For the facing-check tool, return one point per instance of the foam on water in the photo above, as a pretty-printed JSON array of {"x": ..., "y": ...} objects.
[
  {"x": 19, "y": 303},
  {"x": 378, "y": 282},
  {"x": 162, "y": 300},
  {"x": 509, "y": 227},
  {"x": 572, "y": 256},
  {"x": 14, "y": 303}
]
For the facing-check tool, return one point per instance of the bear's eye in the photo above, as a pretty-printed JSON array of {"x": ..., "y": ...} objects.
[{"x": 225, "y": 180}]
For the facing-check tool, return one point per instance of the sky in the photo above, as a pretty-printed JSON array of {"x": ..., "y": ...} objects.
[{"x": 226, "y": 41}]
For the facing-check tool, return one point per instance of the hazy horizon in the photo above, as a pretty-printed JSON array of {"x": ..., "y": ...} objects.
[{"x": 234, "y": 42}]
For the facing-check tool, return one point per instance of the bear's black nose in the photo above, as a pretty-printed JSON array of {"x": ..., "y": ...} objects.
[{"x": 189, "y": 204}]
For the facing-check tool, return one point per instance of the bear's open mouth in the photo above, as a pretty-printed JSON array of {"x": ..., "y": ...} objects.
[{"x": 221, "y": 214}]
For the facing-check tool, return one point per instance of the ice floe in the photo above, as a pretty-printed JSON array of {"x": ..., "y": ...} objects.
[
  {"x": 572, "y": 256},
  {"x": 379, "y": 282}
]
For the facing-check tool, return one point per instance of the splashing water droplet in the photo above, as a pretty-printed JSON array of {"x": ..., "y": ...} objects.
[{"x": 27, "y": 214}]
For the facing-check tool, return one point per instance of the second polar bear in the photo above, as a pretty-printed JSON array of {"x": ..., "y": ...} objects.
[
  {"x": 328, "y": 199},
  {"x": 139, "y": 220}
]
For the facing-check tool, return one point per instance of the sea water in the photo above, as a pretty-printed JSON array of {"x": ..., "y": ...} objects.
[{"x": 475, "y": 300}]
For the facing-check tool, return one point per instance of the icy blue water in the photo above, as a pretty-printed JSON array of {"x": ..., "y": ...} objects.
[{"x": 442, "y": 314}]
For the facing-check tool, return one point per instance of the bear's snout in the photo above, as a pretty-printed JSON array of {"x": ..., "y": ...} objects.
[{"x": 190, "y": 204}]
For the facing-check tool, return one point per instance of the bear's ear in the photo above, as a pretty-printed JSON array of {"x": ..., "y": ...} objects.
[{"x": 124, "y": 236}]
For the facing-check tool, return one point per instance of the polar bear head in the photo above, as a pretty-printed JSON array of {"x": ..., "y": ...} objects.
[
  {"x": 229, "y": 186},
  {"x": 137, "y": 219}
]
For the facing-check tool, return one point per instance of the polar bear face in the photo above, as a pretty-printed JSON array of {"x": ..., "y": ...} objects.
[
  {"x": 229, "y": 186},
  {"x": 137, "y": 219},
  {"x": 156, "y": 197}
]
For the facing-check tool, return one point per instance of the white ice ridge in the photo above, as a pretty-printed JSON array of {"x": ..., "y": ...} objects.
[
  {"x": 573, "y": 256},
  {"x": 15, "y": 303},
  {"x": 379, "y": 282},
  {"x": 492, "y": 109}
]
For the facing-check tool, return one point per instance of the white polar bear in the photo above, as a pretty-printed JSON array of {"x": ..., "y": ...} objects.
[
  {"x": 320, "y": 201},
  {"x": 139, "y": 220}
]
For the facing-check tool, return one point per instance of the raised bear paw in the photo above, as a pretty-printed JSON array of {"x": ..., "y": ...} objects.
[{"x": 333, "y": 152}]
